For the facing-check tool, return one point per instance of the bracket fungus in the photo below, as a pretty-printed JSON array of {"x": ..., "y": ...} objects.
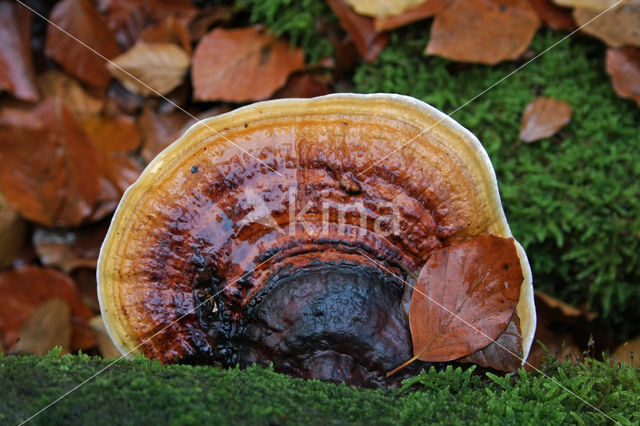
[{"x": 293, "y": 232}]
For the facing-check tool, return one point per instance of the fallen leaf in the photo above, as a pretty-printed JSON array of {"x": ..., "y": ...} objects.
[
  {"x": 543, "y": 117},
  {"x": 563, "y": 307},
  {"x": 380, "y": 8},
  {"x": 172, "y": 29},
  {"x": 243, "y": 64},
  {"x": 105, "y": 345},
  {"x": 484, "y": 31},
  {"x": 12, "y": 233},
  {"x": 16, "y": 68},
  {"x": 618, "y": 27},
  {"x": 206, "y": 18},
  {"x": 86, "y": 283},
  {"x": 151, "y": 68},
  {"x": 367, "y": 40},
  {"x": 80, "y": 19},
  {"x": 504, "y": 354},
  {"x": 556, "y": 17},
  {"x": 623, "y": 65},
  {"x": 49, "y": 168},
  {"x": 628, "y": 352},
  {"x": 159, "y": 131},
  {"x": 22, "y": 290},
  {"x": 473, "y": 289},
  {"x": 304, "y": 86},
  {"x": 423, "y": 10},
  {"x": 57, "y": 84},
  {"x": 69, "y": 249},
  {"x": 48, "y": 326},
  {"x": 599, "y": 5}
]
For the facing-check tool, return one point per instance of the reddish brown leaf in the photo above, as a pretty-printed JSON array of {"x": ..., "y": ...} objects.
[
  {"x": 12, "y": 233},
  {"x": 159, "y": 131},
  {"x": 16, "y": 68},
  {"x": 244, "y": 64},
  {"x": 151, "y": 68},
  {"x": 304, "y": 86},
  {"x": 556, "y": 17},
  {"x": 49, "y": 169},
  {"x": 172, "y": 29},
  {"x": 24, "y": 289},
  {"x": 69, "y": 250},
  {"x": 70, "y": 92},
  {"x": 504, "y": 354},
  {"x": 484, "y": 31},
  {"x": 418, "y": 13},
  {"x": 80, "y": 19},
  {"x": 48, "y": 326},
  {"x": 368, "y": 42},
  {"x": 115, "y": 138},
  {"x": 618, "y": 27},
  {"x": 208, "y": 17},
  {"x": 623, "y": 65},
  {"x": 473, "y": 289},
  {"x": 628, "y": 352},
  {"x": 543, "y": 117}
]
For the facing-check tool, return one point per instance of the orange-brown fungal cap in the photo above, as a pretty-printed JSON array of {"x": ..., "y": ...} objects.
[{"x": 244, "y": 199}]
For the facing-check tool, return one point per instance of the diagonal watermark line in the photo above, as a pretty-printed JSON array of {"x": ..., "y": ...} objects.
[
  {"x": 490, "y": 87},
  {"x": 485, "y": 335},
  {"x": 155, "y": 92},
  {"x": 148, "y": 339}
]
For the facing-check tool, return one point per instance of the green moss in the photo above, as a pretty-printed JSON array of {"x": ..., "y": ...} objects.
[
  {"x": 573, "y": 199},
  {"x": 145, "y": 392},
  {"x": 295, "y": 19}
]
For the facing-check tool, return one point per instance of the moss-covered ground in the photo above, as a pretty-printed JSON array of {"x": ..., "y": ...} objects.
[
  {"x": 573, "y": 200},
  {"x": 145, "y": 392}
]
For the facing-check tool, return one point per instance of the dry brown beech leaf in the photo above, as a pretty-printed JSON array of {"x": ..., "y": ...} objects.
[
  {"x": 172, "y": 29},
  {"x": 12, "y": 233},
  {"x": 49, "y": 325},
  {"x": 473, "y": 289},
  {"x": 423, "y": 10},
  {"x": 69, "y": 249},
  {"x": 242, "y": 64},
  {"x": 304, "y": 86},
  {"x": 80, "y": 19},
  {"x": 58, "y": 84},
  {"x": 49, "y": 169},
  {"x": 367, "y": 40},
  {"x": 159, "y": 130},
  {"x": 623, "y": 65},
  {"x": 556, "y": 17},
  {"x": 382, "y": 8},
  {"x": 105, "y": 344},
  {"x": 22, "y": 290},
  {"x": 543, "y": 117},
  {"x": 617, "y": 27},
  {"x": 504, "y": 354},
  {"x": 484, "y": 31},
  {"x": 151, "y": 68},
  {"x": 16, "y": 68},
  {"x": 206, "y": 18}
]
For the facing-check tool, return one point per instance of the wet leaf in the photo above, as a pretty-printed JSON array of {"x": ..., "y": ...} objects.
[
  {"x": 423, "y": 10},
  {"x": 556, "y": 17},
  {"x": 67, "y": 249},
  {"x": 12, "y": 233},
  {"x": 49, "y": 168},
  {"x": 543, "y": 117},
  {"x": 504, "y": 354},
  {"x": 70, "y": 92},
  {"x": 484, "y": 31},
  {"x": 105, "y": 344},
  {"x": 623, "y": 65},
  {"x": 22, "y": 290},
  {"x": 80, "y": 19},
  {"x": 473, "y": 289},
  {"x": 380, "y": 8},
  {"x": 151, "y": 68},
  {"x": 16, "y": 68},
  {"x": 48, "y": 326},
  {"x": 367, "y": 40},
  {"x": 244, "y": 64},
  {"x": 618, "y": 27}
]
